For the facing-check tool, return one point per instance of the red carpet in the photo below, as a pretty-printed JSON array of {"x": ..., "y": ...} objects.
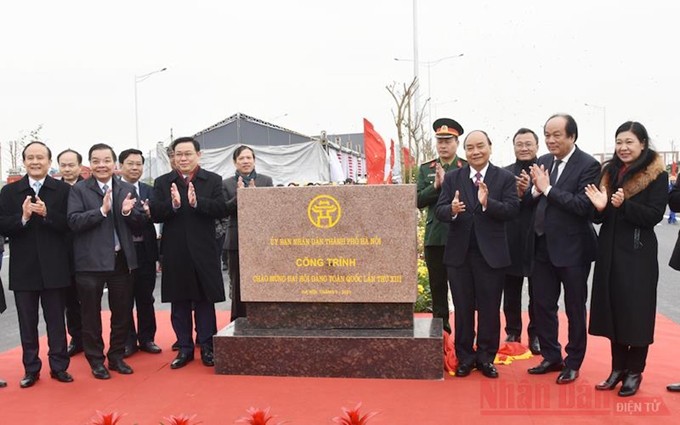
[{"x": 155, "y": 391}]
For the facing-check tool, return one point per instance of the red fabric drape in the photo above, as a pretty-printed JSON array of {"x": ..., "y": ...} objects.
[{"x": 374, "y": 146}]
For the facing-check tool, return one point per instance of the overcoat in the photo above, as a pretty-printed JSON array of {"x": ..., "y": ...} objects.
[
  {"x": 41, "y": 245},
  {"x": 623, "y": 301},
  {"x": 190, "y": 258}
]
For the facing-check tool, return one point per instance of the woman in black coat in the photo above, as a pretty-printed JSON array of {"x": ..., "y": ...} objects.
[{"x": 630, "y": 201}]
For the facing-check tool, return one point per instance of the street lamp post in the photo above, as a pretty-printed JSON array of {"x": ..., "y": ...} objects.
[
  {"x": 604, "y": 128},
  {"x": 139, "y": 79}
]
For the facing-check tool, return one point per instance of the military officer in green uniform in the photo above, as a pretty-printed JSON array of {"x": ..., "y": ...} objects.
[{"x": 430, "y": 179}]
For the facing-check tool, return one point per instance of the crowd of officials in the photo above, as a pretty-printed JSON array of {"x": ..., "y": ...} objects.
[
  {"x": 489, "y": 228},
  {"x": 72, "y": 238}
]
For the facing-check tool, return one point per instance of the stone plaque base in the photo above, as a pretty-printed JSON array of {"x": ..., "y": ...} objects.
[{"x": 417, "y": 353}]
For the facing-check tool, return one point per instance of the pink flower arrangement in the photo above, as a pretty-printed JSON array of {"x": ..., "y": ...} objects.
[
  {"x": 353, "y": 416},
  {"x": 182, "y": 419},
  {"x": 258, "y": 417},
  {"x": 106, "y": 418}
]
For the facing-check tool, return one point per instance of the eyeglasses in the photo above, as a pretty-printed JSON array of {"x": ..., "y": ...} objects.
[{"x": 524, "y": 145}]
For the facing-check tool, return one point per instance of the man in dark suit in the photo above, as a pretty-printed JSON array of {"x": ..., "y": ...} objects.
[
  {"x": 3, "y": 307},
  {"x": 476, "y": 201},
  {"x": 70, "y": 164},
  {"x": 525, "y": 143},
  {"x": 187, "y": 201},
  {"x": 245, "y": 176},
  {"x": 430, "y": 179},
  {"x": 146, "y": 247},
  {"x": 33, "y": 215},
  {"x": 103, "y": 215},
  {"x": 564, "y": 246}
]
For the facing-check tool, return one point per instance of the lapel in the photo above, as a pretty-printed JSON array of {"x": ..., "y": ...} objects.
[
  {"x": 569, "y": 167},
  {"x": 470, "y": 194},
  {"x": 24, "y": 187},
  {"x": 93, "y": 185}
]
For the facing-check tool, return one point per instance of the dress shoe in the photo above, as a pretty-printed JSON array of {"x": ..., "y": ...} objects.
[
  {"x": 207, "y": 357},
  {"x": 615, "y": 377},
  {"x": 150, "y": 347},
  {"x": 175, "y": 346},
  {"x": 512, "y": 338},
  {"x": 74, "y": 349},
  {"x": 3, "y": 383},
  {"x": 181, "y": 360},
  {"x": 61, "y": 376},
  {"x": 534, "y": 345},
  {"x": 545, "y": 367},
  {"x": 447, "y": 327},
  {"x": 674, "y": 388},
  {"x": 100, "y": 372},
  {"x": 129, "y": 350},
  {"x": 29, "y": 379},
  {"x": 631, "y": 384},
  {"x": 121, "y": 367},
  {"x": 463, "y": 370},
  {"x": 567, "y": 376},
  {"x": 488, "y": 370}
]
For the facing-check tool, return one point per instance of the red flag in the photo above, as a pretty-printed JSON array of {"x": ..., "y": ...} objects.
[
  {"x": 409, "y": 161},
  {"x": 674, "y": 169},
  {"x": 374, "y": 146}
]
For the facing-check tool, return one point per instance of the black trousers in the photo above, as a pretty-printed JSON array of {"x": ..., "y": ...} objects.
[
  {"x": 512, "y": 306},
  {"x": 475, "y": 285},
  {"x": 238, "y": 308},
  {"x": 182, "y": 323},
  {"x": 548, "y": 282},
  {"x": 90, "y": 288},
  {"x": 144, "y": 283},
  {"x": 52, "y": 301},
  {"x": 74, "y": 321},
  {"x": 627, "y": 357},
  {"x": 439, "y": 283}
]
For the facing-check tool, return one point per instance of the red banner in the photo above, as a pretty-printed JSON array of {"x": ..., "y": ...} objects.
[{"x": 375, "y": 149}]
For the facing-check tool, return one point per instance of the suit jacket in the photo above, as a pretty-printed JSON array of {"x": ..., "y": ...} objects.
[
  {"x": 39, "y": 257},
  {"x": 229, "y": 191},
  {"x": 191, "y": 260},
  {"x": 93, "y": 243},
  {"x": 489, "y": 225},
  {"x": 519, "y": 227},
  {"x": 569, "y": 232},
  {"x": 435, "y": 231},
  {"x": 148, "y": 230},
  {"x": 674, "y": 205}
]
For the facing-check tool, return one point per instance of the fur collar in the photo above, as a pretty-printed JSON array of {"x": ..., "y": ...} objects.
[{"x": 639, "y": 181}]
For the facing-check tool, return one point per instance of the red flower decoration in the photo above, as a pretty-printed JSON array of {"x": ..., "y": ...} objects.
[
  {"x": 106, "y": 418},
  {"x": 257, "y": 417},
  {"x": 181, "y": 420},
  {"x": 353, "y": 417}
]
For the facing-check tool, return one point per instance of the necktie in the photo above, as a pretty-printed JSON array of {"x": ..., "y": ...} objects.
[
  {"x": 116, "y": 241},
  {"x": 554, "y": 174},
  {"x": 478, "y": 178},
  {"x": 36, "y": 187}
]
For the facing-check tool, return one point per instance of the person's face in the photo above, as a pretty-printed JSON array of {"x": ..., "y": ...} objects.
[
  {"x": 186, "y": 157},
  {"x": 446, "y": 148},
  {"x": 556, "y": 139},
  {"x": 245, "y": 163},
  {"x": 132, "y": 168},
  {"x": 36, "y": 161},
  {"x": 477, "y": 150},
  {"x": 69, "y": 167},
  {"x": 102, "y": 164},
  {"x": 628, "y": 147},
  {"x": 525, "y": 146},
  {"x": 171, "y": 159}
]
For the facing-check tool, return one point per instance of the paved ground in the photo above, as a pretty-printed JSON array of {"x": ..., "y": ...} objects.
[{"x": 668, "y": 292}]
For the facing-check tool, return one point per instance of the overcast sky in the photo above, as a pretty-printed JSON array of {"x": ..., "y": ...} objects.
[{"x": 311, "y": 65}]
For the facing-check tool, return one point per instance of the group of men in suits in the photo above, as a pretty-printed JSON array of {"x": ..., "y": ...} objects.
[
  {"x": 70, "y": 238},
  {"x": 483, "y": 205}
]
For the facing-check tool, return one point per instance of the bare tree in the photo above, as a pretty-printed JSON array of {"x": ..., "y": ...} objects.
[
  {"x": 410, "y": 127},
  {"x": 16, "y": 146}
]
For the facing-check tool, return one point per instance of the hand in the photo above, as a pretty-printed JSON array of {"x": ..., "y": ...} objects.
[
  {"x": 106, "y": 202},
  {"x": 191, "y": 194},
  {"x": 26, "y": 209},
  {"x": 618, "y": 197},
  {"x": 239, "y": 183},
  {"x": 251, "y": 183},
  {"x": 597, "y": 197},
  {"x": 39, "y": 207},
  {"x": 128, "y": 203},
  {"x": 522, "y": 181},
  {"x": 483, "y": 194},
  {"x": 439, "y": 174},
  {"x": 540, "y": 177},
  {"x": 174, "y": 196},
  {"x": 457, "y": 207},
  {"x": 147, "y": 209}
]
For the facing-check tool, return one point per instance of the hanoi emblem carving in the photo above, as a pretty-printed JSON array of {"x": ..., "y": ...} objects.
[{"x": 324, "y": 211}]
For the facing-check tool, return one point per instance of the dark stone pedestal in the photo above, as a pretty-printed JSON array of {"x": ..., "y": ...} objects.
[{"x": 417, "y": 353}]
